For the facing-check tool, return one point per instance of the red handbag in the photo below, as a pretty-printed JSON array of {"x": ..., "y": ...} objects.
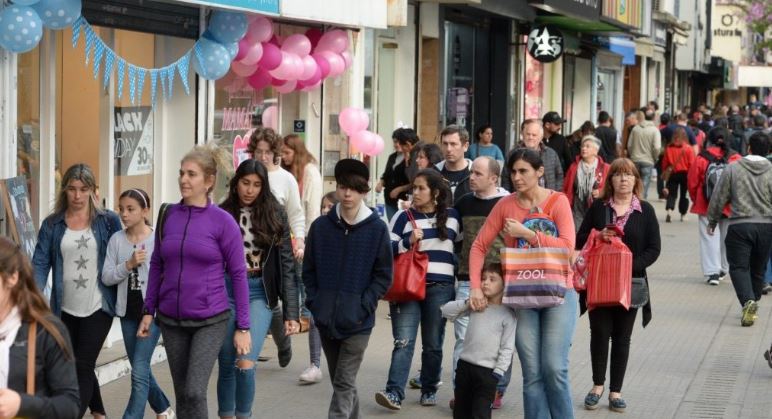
[
  {"x": 610, "y": 267},
  {"x": 410, "y": 269}
]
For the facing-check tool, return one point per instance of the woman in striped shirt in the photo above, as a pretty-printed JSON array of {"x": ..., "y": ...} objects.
[{"x": 437, "y": 229}]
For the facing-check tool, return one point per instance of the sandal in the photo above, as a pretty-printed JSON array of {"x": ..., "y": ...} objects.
[
  {"x": 591, "y": 400},
  {"x": 617, "y": 404}
]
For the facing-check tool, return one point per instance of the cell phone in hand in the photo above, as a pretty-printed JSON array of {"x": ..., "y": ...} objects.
[{"x": 615, "y": 229}]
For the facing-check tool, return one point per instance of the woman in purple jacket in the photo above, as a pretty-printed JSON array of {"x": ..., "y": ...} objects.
[{"x": 196, "y": 243}]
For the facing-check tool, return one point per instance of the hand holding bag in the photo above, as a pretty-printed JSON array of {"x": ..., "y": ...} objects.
[
  {"x": 535, "y": 277},
  {"x": 580, "y": 265},
  {"x": 410, "y": 269}
]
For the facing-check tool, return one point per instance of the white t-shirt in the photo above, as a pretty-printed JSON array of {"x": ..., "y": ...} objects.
[
  {"x": 285, "y": 188},
  {"x": 81, "y": 296}
]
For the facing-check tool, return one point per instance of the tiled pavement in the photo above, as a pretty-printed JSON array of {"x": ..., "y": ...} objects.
[{"x": 693, "y": 360}]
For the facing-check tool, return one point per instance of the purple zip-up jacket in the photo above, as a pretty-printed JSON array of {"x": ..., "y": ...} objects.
[{"x": 187, "y": 270}]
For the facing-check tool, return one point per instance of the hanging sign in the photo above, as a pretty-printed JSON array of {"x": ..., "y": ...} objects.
[
  {"x": 545, "y": 43},
  {"x": 133, "y": 150}
]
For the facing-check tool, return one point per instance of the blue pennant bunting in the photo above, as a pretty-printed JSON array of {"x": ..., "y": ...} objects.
[
  {"x": 153, "y": 84},
  {"x": 170, "y": 75},
  {"x": 76, "y": 30},
  {"x": 140, "y": 82},
  {"x": 183, "y": 67},
  {"x": 109, "y": 61},
  {"x": 90, "y": 39},
  {"x": 162, "y": 76},
  {"x": 132, "y": 82},
  {"x": 99, "y": 50},
  {"x": 121, "y": 73}
]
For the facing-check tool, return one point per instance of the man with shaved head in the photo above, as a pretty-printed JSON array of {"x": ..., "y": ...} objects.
[{"x": 473, "y": 208}]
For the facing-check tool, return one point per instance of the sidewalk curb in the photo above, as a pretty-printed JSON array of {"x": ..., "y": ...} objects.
[{"x": 121, "y": 367}]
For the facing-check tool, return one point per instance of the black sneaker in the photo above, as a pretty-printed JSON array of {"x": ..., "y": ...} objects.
[
  {"x": 714, "y": 280},
  {"x": 388, "y": 400},
  {"x": 767, "y": 288},
  {"x": 285, "y": 356},
  {"x": 721, "y": 276},
  {"x": 768, "y": 356}
]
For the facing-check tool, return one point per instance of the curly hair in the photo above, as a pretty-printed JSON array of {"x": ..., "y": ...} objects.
[
  {"x": 267, "y": 222},
  {"x": 440, "y": 190},
  {"x": 268, "y": 135}
]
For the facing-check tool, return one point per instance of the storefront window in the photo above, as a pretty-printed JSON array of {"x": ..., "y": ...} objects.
[
  {"x": 534, "y": 86},
  {"x": 607, "y": 100},
  {"x": 28, "y": 126},
  {"x": 459, "y": 64}
]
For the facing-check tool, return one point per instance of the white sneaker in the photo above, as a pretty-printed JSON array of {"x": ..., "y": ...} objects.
[
  {"x": 167, "y": 414},
  {"x": 311, "y": 375}
]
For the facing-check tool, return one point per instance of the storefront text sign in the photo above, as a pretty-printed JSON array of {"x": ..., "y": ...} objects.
[
  {"x": 545, "y": 43},
  {"x": 584, "y": 9},
  {"x": 133, "y": 149},
  {"x": 259, "y": 6}
]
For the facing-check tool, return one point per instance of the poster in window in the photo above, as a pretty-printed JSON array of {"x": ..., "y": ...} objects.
[
  {"x": 133, "y": 152},
  {"x": 16, "y": 202}
]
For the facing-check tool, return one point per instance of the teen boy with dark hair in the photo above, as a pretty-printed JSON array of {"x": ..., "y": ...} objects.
[{"x": 346, "y": 270}]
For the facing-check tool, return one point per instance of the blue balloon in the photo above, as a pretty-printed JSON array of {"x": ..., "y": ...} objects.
[
  {"x": 233, "y": 49},
  {"x": 210, "y": 59},
  {"x": 24, "y": 2},
  {"x": 58, "y": 14},
  {"x": 227, "y": 27},
  {"x": 20, "y": 29}
]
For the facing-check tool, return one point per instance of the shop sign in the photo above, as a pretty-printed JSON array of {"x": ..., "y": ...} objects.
[
  {"x": 133, "y": 132},
  {"x": 585, "y": 9},
  {"x": 240, "y": 149},
  {"x": 258, "y": 6},
  {"x": 545, "y": 43},
  {"x": 626, "y": 12}
]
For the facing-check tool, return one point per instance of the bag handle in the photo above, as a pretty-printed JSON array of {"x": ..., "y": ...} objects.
[
  {"x": 550, "y": 201},
  {"x": 411, "y": 218},
  {"x": 31, "y": 347}
]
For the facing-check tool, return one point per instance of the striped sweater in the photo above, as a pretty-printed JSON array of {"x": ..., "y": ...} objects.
[{"x": 442, "y": 260}]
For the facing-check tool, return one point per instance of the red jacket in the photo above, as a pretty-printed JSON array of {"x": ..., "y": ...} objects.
[
  {"x": 696, "y": 180},
  {"x": 679, "y": 156},
  {"x": 568, "y": 183}
]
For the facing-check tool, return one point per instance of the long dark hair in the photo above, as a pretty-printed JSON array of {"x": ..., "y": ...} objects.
[
  {"x": 440, "y": 190},
  {"x": 267, "y": 225},
  {"x": 25, "y": 295},
  {"x": 139, "y": 195}
]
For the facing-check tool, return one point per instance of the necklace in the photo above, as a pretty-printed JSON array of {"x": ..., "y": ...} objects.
[{"x": 433, "y": 224}]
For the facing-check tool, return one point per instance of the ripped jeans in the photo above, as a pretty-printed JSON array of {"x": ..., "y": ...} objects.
[
  {"x": 405, "y": 318},
  {"x": 236, "y": 383}
]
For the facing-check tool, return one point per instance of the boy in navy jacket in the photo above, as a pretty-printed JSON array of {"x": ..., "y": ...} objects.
[{"x": 346, "y": 270}]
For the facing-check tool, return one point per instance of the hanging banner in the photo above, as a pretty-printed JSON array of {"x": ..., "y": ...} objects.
[
  {"x": 259, "y": 6},
  {"x": 133, "y": 149}
]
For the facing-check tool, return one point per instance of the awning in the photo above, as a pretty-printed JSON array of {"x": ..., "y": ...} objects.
[
  {"x": 270, "y": 7},
  {"x": 754, "y": 76},
  {"x": 623, "y": 47}
]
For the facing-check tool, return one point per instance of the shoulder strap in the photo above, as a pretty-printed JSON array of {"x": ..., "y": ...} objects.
[
  {"x": 709, "y": 157},
  {"x": 411, "y": 218},
  {"x": 31, "y": 347},
  {"x": 161, "y": 220},
  {"x": 550, "y": 201}
]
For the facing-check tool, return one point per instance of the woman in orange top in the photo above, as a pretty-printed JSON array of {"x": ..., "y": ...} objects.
[
  {"x": 677, "y": 160},
  {"x": 544, "y": 335}
]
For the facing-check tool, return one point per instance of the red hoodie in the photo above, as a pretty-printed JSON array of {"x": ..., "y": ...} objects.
[
  {"x": 680, "y": 156},
  {"x": 696, "y": 180}
]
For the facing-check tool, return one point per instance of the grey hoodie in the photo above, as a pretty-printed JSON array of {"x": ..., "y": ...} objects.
[{"x": 747, "y": 186}]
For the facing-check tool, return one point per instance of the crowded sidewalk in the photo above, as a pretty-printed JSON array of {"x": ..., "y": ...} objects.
[{"x": 694, "y": 359}]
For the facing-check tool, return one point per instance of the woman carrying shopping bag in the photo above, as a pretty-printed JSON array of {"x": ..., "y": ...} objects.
[
  {"x": 619, "y": 209},
  {"x": 544, "y": 335}
]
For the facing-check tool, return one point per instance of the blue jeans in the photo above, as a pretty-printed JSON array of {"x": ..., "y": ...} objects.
[
  {"x": 405, "y": 318},
  {"x": 645, "y": 170},
  {"x": 236, "y": 385},
  {"x": 768, "y": 275},
  {"x": 543, "y": 339},
  {"x": 314, "y": 340},
  {"x": 144, "y": 388}
]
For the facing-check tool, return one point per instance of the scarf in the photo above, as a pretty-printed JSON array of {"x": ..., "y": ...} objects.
[
  {"x": 8, "y": 329},
  {"x": 585, "y": 179}
]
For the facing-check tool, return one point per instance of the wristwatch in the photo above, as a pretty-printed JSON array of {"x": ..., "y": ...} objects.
[{"x": 242, "y": 330}]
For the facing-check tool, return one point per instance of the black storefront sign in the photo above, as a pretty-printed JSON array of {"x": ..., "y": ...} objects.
[
  {"x": 584, "y": 9},
  {"x": 545, "y": 43}
]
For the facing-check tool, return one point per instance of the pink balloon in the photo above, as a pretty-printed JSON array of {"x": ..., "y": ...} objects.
[
  {"x": 243, "y": 70},
  {"x": 271, "y": 56},
  {"x": 335, "y": 41},
  {"x": 347, "y": 58},
  {"x": 315, "y": 78},
  {"x": 260, "y": 79},
  {"x": 254, "y": 53},
  {"x": 260, "y": 30},
  {"x": 244, "y": 46},
  {"x": 290, "y": 68},
  {"x": 314, "y": 35},
  {"x": 277, "y": 82},
  {"x": 353, "y": 120},
  {"x": 337, "y": 65},
  {"x": 322, "y": 63},
  {"x": 312, "y": 87},
  {"x": 309, "y": 68},
  {"x": 297, "y": 44},
  {"x": 364, "y": 141},
  {"x": 377, "y": 147},
  {"x": 271, "y": 117},
  {"x": 287, "y": 87}
]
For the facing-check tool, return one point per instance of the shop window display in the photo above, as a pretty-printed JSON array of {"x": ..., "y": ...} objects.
[{"x": 28, "y": 126}]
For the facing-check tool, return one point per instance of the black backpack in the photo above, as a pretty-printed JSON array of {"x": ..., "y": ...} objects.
[{"x": 713, "y": 173}]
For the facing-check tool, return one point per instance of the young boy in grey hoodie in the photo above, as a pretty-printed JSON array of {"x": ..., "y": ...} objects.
[
  {"x": 747, "y": 186},
  {"x": 488, "y": 347}
]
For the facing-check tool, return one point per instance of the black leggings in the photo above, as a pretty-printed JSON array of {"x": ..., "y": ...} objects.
[
  {"x": 677, "y": 184},
  {"x": 613, "y": 323},
  {"x": 88, "y": 335}
]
